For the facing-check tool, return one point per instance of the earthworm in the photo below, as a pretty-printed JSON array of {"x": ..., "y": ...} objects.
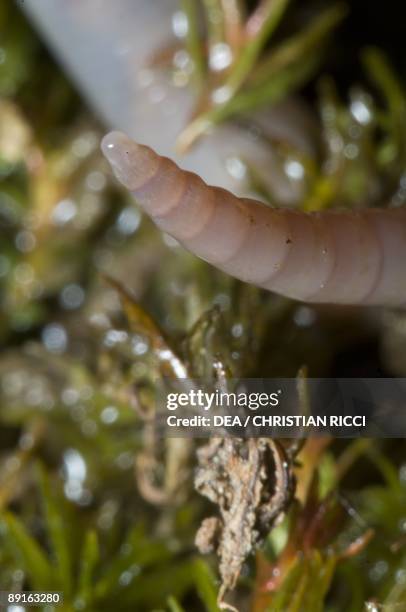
[{"x": 335, "y": 256}]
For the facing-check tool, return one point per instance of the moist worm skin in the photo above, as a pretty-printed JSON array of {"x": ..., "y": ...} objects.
[{"x": 337, "y": 256}]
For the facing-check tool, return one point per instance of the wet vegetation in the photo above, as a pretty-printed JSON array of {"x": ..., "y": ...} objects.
[{"x": 92, "y": 502}]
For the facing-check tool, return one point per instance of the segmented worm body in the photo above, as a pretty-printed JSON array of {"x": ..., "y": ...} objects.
[{"x": 337, "y": 256}]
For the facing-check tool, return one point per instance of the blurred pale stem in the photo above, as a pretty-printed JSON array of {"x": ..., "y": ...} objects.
[{"x": 233, "y": 22}]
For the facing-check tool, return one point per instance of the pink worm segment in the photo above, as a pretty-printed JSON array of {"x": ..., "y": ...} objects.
[{"x": 342, "y": 257}]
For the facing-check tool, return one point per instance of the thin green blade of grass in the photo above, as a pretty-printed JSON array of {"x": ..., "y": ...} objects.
[
  {"x": 301, "y": 44},
  {"x": 382, "y": 75},
  {"x": 350, "y": 455},
  {"x": 194, "y": 45},
  {"x": 273, "y": 13},
  {"x": 282, "y": 597},
  {"x": 306, "y": 585},
  {"x": 322, "y": 568},
  {"x": 215, "y": 22},
  {"x": 206, "y": 585},
  {"x": 174, "y": 605},
  {"x": 57, "y": 534},
  {"x": 89, "y": 560},
  {"x": 28, "y": 553}
]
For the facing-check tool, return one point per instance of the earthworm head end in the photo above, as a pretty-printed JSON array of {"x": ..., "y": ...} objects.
[{"x": 131, "y": 163}]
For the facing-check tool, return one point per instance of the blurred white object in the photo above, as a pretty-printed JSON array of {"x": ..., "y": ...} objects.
[{"x": 105, "y": 44}]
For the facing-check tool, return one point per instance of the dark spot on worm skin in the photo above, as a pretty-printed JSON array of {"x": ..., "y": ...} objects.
[{"x": 288, "y": 241}]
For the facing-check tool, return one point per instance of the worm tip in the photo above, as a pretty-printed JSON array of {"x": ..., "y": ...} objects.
[{"x": 120, "y": 151}]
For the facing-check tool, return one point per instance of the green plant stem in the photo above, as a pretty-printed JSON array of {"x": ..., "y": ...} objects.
[
  {"x": 271, "y": 13},
  {"x": 256, "y": 97},
  {"x": 288, "y": 66},
  {"x": 194, "y": 45},
  {"x": 215, "y": 21}
]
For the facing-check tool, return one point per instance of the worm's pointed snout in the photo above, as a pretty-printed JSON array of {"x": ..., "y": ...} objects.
[{"x": 119, "y": 151}]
